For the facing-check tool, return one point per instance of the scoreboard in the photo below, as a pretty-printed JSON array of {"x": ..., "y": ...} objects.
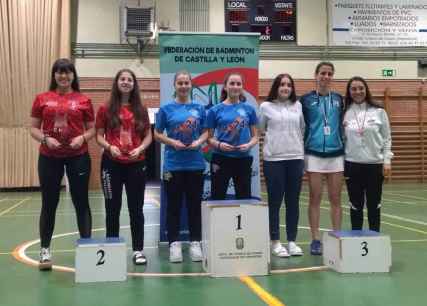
[{"x": 275, "y": 20}]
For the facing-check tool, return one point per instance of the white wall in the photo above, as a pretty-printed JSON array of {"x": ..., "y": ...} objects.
[
  {"x": 343, "y": 69},
  {"x": 149, "y": 68},
  {"x": 98, "y": 22},
  {"x": 311, "y": 22},
  {"x": 216, "y": 16}
]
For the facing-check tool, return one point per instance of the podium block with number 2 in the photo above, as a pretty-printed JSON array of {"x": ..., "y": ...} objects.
[
  {"x": 235, "y": 238},
  {"x": 357, "y": 251},
  {"x": 100, "y": 260}
]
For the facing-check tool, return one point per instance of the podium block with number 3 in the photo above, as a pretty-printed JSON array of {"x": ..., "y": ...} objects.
[
  {"x": 235, "y": 238},
  {"x": 357, "y": 251},
  {"x": 100, "y": 260}
]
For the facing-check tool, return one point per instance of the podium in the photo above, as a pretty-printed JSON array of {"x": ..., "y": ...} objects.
[
  {"x": 100, "y": 260},
  {"x": 235, "y": 237},
  {"x": 357, "y": 251}
]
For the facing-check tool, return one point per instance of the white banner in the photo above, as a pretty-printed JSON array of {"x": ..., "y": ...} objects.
[{"x": 378, "y": 23}]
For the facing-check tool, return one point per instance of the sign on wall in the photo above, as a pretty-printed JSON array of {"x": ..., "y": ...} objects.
[
  {"x": 275, "y": 20},
  {"x": 378, "y": 23}
]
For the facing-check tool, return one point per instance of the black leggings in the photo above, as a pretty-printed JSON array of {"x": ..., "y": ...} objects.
[
  {"x": 113, "y": 176},
  {"x": 180, "y": 184},
  {"x": 51, "y": 172},
  {"x": 224, "y": 168},
  {"x": 364, "y": 185}
]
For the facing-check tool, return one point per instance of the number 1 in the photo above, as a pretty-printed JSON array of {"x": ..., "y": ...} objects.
[{"x": 239, "y": 222}]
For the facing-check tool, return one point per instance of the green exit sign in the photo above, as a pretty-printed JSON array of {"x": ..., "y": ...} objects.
[{"x": 389, "y": 72}]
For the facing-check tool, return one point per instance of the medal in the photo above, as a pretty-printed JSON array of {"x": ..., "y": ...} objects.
[{"x": 360, "y": 125}]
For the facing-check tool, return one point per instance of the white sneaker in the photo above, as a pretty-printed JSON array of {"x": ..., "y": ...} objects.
[
  {"x": 277, "y": 249},
  {"x": 195, "y": 251},
  {"x": 294, "y": 250},
  {"x": 45, "y": 259},
  {"x": 139, "y": 258},
  {"x": 175, "y": 252}
]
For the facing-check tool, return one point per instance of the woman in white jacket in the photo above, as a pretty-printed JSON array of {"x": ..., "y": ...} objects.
[
  {"x": 367, "y": 153},
  {"x": 282, "y": 120}
]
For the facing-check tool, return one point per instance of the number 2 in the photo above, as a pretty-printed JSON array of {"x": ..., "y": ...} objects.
[
  {"x": 365, "y": 250},
  {"x": 101, "y": 260}
]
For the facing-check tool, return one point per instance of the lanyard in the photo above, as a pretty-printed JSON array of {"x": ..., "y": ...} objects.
[
  {"x": 326, "y": 114},
  {"x": 360, "y": 127}
]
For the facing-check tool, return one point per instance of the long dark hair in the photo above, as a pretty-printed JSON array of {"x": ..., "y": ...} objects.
[
  {"x": 64, "y": 65},
  {"x": 135, "y": 102},
  {"x": 224, "y": 94},
  {"x": 272, "y": 95},
  {"x": 348, "y": 100}
]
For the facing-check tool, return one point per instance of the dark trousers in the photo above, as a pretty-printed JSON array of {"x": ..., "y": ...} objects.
[
  {"x": 113, "y": 176},
  {"x": 179, "y": 185},
  {"x": 283, "y": 180},
  {"x": 364, "y": 184},
  {"x": 51, "y": 172},
  {"x": 224, "y": 168}
]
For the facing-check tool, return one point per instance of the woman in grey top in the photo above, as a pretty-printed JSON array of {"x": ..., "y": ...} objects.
[
  {"x": 367, "y": 153},
  {"x": 282, "y": 120}
]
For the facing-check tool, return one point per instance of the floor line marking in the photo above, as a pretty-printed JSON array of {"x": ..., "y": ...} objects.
[
  {"x": 13, "y": 207},
  {"x": 308, "y": 269},
  {"x": 384, "y": 222},
  {"x": 399, "y": 202},
  {"x": 19, "y": 253},
  {"x": 261, "y": 292},
  {"x": 72, "y": 213},
  {"x": 406, "y": 196},
  {"x": 274, "y": 271},
  {"x": 404, "y": 219}
]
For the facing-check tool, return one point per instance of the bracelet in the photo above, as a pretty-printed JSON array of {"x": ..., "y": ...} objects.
[{"x": 43, "y": 141}]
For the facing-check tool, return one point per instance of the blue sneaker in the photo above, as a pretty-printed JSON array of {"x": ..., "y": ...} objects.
[{"x": 316, "y": 247}]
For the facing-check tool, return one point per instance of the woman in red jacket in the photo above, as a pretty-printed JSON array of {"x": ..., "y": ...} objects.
[
  {"x": 123, "y": 130},
  {"x": 62, "y": 121}
]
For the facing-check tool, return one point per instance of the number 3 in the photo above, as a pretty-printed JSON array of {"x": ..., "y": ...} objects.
[
  {"x": 101, "y": 260},
  {"x": 365, "y": 250}
]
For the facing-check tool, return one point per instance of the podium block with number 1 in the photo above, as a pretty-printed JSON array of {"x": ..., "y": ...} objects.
[
  {"x": 101, "y": 260},
  {"x": 235, "y": 238}
]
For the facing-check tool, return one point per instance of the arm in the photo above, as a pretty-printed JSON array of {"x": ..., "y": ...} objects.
[
  {"x": 148, "y": 138},
  {"x": 198, "y": 142},
  {"x": 162, "y": 138},
  {"x": 114, "y": 151},
  {"x": 253, "y": 141},
  {"x": 219, "y": 145},
  {"x": 386, "y": 134},
  {"x": 38, "y": 135},
  {"x": 88, "y": 134},
  {"x": 262, "y": 118}
]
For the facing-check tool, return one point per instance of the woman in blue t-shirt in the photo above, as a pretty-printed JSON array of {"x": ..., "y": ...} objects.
[
  {"x": 183, "y": 165},
  {"x": 232, "y": 133}
]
